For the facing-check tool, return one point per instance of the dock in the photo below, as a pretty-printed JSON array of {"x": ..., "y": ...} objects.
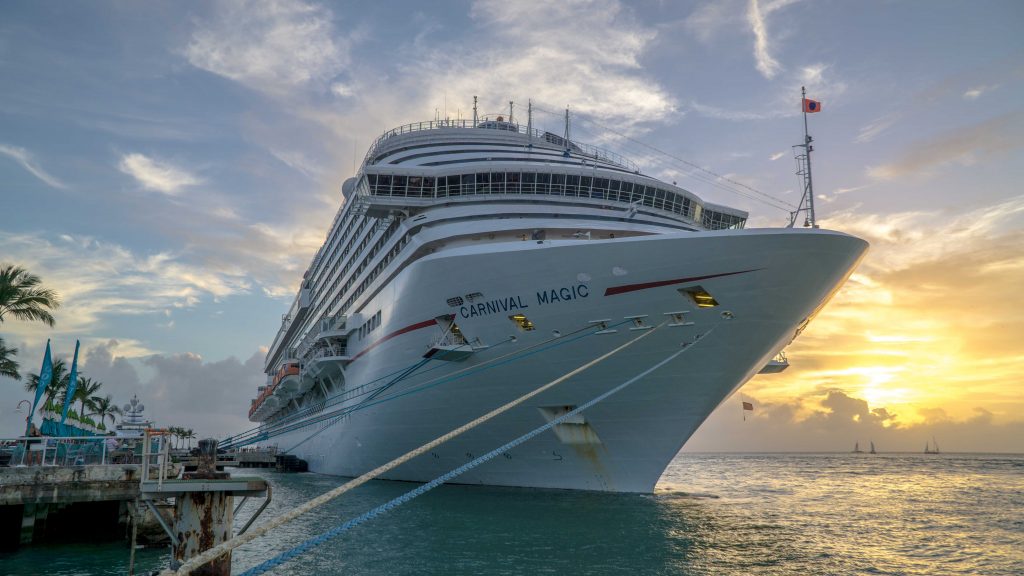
[{"x": 87, "y": 489}]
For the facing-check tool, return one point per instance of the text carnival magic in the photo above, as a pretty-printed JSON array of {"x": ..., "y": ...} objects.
[{"x": 512, "y": 303}]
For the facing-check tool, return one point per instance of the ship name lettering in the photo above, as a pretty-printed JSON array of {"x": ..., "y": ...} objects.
[
  {"x": 563, "y": 294},
  {"x": 493, "y": 307}
]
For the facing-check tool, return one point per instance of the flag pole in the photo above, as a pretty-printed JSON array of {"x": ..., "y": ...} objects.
[{"x": 808, "y": 148}]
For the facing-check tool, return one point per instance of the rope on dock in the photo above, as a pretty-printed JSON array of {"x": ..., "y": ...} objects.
[
  {"x": 396, "y": 502},
  {"x": 215, "y": 552}
]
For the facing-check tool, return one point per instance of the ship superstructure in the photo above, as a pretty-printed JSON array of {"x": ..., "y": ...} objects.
[{"x": 459, "y": 241}]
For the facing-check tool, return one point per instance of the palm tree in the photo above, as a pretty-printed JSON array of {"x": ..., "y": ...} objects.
[
  {"x": 86, "y": 389},
  {"x": 189, "y": 436},
  {"x": 58, "y": 383},
  {"x": 22, "y": 297},
  {"x": 8, "y": 365},
  {"x": 105, "y": 408}
]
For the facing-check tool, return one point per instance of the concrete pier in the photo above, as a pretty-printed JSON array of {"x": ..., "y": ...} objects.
[{"x": 41, "y": 503}]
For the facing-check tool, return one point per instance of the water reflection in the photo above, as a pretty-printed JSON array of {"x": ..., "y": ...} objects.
[{"x": 713, "y": 514}]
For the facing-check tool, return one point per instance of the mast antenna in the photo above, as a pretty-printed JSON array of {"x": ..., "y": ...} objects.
[
  {"x": 529, "y": 121},
  {"x": 474, "y": 112},
  {"x": 566, "y": 131},
  {"x": 803, "y": 163},
  {"x": 509, "y": 111}
]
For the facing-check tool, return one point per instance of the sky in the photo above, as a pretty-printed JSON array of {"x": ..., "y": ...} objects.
[{"x": 170, "y": 168}]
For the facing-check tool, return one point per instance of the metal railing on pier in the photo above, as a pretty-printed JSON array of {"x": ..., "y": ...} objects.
[{"x": 70, "y": 451}]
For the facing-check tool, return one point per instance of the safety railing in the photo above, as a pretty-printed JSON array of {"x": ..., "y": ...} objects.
[
  {"x": 70, "y": 451},
  {"x": 156, "y": 457},
  {"x": 486, "y": 124}
]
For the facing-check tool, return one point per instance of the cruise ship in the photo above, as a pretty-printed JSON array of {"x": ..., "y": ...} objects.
[{"x": 473, "y": 261}]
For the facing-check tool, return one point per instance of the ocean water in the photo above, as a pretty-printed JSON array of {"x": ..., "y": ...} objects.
[{"x": 712, "y": 514}]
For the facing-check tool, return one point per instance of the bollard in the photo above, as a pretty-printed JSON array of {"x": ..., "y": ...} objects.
[{"x": 203, "y": 520}]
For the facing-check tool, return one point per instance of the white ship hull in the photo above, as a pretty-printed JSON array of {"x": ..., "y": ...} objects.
[{"x": 768, "y": 283}]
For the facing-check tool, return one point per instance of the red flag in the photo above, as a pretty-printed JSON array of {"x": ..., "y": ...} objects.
[
  {"x": 811, "y": 106},
  {"x": 748, "y": 406}
]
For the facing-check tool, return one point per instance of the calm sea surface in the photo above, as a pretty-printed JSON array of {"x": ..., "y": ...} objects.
[{"x": 713, "y": 514}]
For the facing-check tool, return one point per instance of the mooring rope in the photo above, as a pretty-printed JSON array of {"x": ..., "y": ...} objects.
[
  {"x": 224, "y": 547},
  {"x": 557, "y": 341},
  {"x": 419, "y": 491}
]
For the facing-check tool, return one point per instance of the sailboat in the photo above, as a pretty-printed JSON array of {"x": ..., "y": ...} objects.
[
  {"x": 872, "y": 448},
  {"x": 856, "y": 448},
  {"x": 929, "y": 450}
]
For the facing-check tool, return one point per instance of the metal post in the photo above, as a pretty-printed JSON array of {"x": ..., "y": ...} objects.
[
  {"x": 529, "y": 121},
  {"x": 135, "y": 532},
  {"x": 566, "y": 128},
  {"x": 474, "y": 112},
  {"x": 204, "y": 519},
  {"x": 811, "y": 221}
]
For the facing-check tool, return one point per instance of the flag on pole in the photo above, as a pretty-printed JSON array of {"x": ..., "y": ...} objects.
[
  {"x": 72, "y": 384},
  {"x": 811, "y": 106},
  {"x": 45, "y": 376},
  {"x": 748, "y": 406}
]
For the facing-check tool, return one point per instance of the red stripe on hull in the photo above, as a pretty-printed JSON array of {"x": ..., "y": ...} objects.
[
  {"x": 634, "y": 287},
  {"x": 410, "y": 328}
]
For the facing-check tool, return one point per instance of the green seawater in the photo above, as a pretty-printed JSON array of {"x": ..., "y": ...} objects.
[{"x": 713, "y": 514}]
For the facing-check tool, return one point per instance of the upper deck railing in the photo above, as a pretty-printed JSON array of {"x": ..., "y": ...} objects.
[{"x": 577, "y": 148}]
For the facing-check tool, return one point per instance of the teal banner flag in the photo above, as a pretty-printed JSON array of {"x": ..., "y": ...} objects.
[
  {"x": 45, "y": 376},
  {"x": 69, "y": 396}
]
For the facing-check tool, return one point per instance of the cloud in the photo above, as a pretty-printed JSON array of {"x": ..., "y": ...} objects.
[
  {"x": 977, "y": 91},
  {"x": 180, "y": 389},
  {"x": 839, "y": 191},
  {"x": 271, "y": 46},
  {"x": 98, "y": 279},
  {"x": 875, "y": 127},
  {"x": 831, "y": 420},
  {"x": 23, "y": 157},
  {"x": 822, "y": 84},
  {"x": 766, "y": 65},
  {"x": 156, "y": 174},
  {"x": 777, "y": 155},
  {"x": 965, "y": 145},
  {"x": 298, "y": 161},
  {"x": 706, "y": 20},
  {"x": 211, "y": 397},
  {"x": 586, "y": 54},
  {"x": 756, "y": 16},
  {"x": 931, "y": 319}
]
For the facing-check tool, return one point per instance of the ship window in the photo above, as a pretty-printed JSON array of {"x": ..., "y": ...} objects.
[
  {"x": 415, "y": 186},
  {"x": 585, "y": 183},
  {"x": 512, "y": 182},
  {"x": 627, "y": 191},
  {"x": 468, "y": 184},
  {"x": 529, "y": 182},
  {"x": 483, "y": 182},
  {"x": 372, "y": 179},
  {"x": 699, "y": 296},
  {"x": 572, "y": 185},
  {"x": 428, "y": 186},
  {"x": 543, "y": 180},
  {"x": 384, "y": 184},
  {"x": 522, "y": 321},
  {"x": 398, "y": 186},
  {"x": 558, "y": 184},
  {"x": 498, "y": 183}
]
